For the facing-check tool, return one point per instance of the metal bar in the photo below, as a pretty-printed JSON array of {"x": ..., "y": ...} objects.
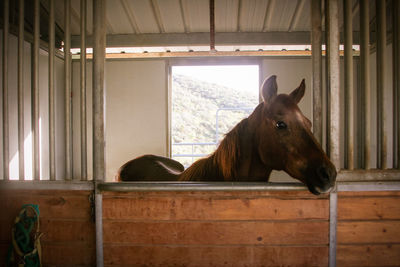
[
  {"x": 396, "y": 84},
  {"x": 348, "y": 86},
  {"x": 333, "y": 40},
  {"x": 334, "y": 83},
  {"x": 21, "y": 137},
  {"x": 365, "y": 81},
  {"x": 99, "y": 47},
  {"x": 83, "y": 92},
  {"x": 369, "y": 186},
  {"x": 35, "y": 91},
  {"x": 332, "y": 227},
  {"x": 199, "y": 186},
  {"x": 327, "y": 77},
  {"x": 381, "y": 148},
  {"x": 212, "y": 26},
  {"x": 67, "y": 88},
  {"x": 316, "y": 57},
  {"x": 99, "y": 228},
  {"x": 99, "y": 91},
  {"x": 46, "y": 185},
  {"x": 52, "y": 131},
  {"x": 368, "y": 175},
  {"x": 6, "y": 160}
]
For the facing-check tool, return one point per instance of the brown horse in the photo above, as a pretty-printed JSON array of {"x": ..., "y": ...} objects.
[{"x": 276, "y": 136}]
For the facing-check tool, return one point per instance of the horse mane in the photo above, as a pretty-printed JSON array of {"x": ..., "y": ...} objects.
[{"x": 222, "y": 164}]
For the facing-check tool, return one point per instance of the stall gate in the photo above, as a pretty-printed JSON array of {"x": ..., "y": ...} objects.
[{"x": 88, "y": 223}]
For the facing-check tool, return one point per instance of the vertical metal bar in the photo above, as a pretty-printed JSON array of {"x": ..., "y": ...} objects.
[
  {"x": 316, "y": 43},
  {"x": 67, "y": 88},
  {"x": 396, "y": 84},
  {"x": 365, "y": 80},
  {"x": 334, "y": 82},
  {"x": 99, "y": 90},
  {"x": 35, "y": 91},
  {"x": 6, "y": 160},
  {"x": 348, "y": 86},
  {"x": 21, "y": 148},
  {"x": 99, "y": 45},
  {"x": 380, "y": 83},
  {"x": 52, "y": 133},
  {"x": 99, "y": 228},
  {"x": 327, "y": 78},
  {"x": 332, "y": 227},
  {"x": 334, "y": 111},
  {"x": 83, "y": 93},
  {"x": 212, "y": 27}
]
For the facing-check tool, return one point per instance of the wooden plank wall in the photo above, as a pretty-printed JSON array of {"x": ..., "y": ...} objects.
[
  {"x": 65, "y": 220},
  {"x": 368, "y": 230},
  {"x": 215, "y": 229}
]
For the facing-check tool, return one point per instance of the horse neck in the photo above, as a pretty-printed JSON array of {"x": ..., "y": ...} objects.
[
  {"x": 236, "y": 157},
  {"x": 222, "y": 165}
]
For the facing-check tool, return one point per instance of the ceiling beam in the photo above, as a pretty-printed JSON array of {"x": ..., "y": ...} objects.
[{"x": 195, "y": 39}]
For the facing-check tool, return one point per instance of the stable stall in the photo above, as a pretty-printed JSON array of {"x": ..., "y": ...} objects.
[{"x": 63, "y": 94}]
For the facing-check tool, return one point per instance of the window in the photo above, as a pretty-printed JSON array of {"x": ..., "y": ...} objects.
[{"x": 206, "y": 102}]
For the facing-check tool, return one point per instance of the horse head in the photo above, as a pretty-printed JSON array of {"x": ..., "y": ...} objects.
[{"x": 286, "y": 141}]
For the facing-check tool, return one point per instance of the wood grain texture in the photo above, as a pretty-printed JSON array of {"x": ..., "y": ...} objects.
[
  {"x": 368, "y": 255},
  {"x": 369, "y": 208},
  {"x": 368, "y": 232},
  {"x": 68, "y": 232},
  {"x": 216, "y": 233},
  {"x": 181, "y": 207},
  {"x": 215, "y": 256}
]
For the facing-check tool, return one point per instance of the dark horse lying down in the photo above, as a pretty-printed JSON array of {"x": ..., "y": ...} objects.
[{"x": 276, "y": 136}]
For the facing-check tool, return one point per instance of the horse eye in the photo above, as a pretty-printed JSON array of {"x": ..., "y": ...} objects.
[{"x": 281, "y": 125}]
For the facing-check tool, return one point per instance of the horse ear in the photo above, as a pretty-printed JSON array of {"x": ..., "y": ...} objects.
[
  {"x": 298, "y": 93},
  {"x": 269, "y": 88}
]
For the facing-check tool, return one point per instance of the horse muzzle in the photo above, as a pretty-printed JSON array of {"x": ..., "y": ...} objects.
[{"x": 324, "y": 179}]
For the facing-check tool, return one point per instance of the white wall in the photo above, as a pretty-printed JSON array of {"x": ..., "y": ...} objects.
[
  {"x": 43, "y": 112},
  {"x": 136, "y": 112}
]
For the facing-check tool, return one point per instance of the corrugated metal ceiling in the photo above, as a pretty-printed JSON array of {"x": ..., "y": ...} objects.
[{"x": 174, "y": 23}]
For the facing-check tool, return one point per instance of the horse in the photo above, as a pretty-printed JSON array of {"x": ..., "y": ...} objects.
[{"x": 275, "y": 136}]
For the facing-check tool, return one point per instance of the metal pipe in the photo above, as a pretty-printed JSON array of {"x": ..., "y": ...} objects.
[
  {"x": 99, "y": 228},
  {"x": 6, "y": 160},
  {"x": 99, "y": 90},
  {"x": 381, "y": 84},
  {"x": 369, "y": 186},
  {"x": 333, "y": 60},
  {"x": 316, "y": 56},
  {"x": 334, "y": 82},
  {"x": 332, "y": 227},
  {"x": 365, "y": 81},
  {"x": 52, "y": 133},
  {"x": 396, "y": 84},
  {"x": 35, "y": 91},
  {"x": 327, "y": 78},
  {"x": 199, "y": 186},
  {"x": 368, "y": 175},
  {"x": 99, "y": 46},
  {"x": 21, "y": 139},
  {"x": 212, "y": 26},
  {"x": 348, "y": 86},
  {"x": 83, "y": 92},
  {"x": 67, "y": 88}
]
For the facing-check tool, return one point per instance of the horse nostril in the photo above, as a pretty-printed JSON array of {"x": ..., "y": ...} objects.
[{"x": 323, "y": 174}]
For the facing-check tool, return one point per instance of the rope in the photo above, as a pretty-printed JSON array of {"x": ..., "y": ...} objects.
[{"x": 25, "y": 249}]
